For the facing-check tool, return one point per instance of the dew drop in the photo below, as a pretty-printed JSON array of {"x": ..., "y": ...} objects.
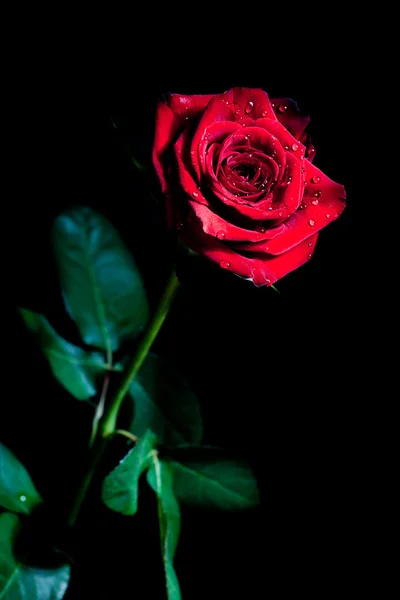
[
  {"x": 286, "y": 147},
  {"x": 195, "y": 194},
  {"x": 273, "y": 104},
  {"x": 221, "y": 235},
  {"x": 264, "y": 113},
  {"x": 309, "y": 256},
  {"x": 315, "y": 202},
  {"x": 237, "y": 111},
  {"x": 303, "y": 206},
  {"x": 224, "y": 264},
  {"x": 310, "y": 244},
  {"x": 303, "y": 169},
  {"x": 23, "y": 498},
  {"x": 311, "y": 151},
  {"x": 328, "y": 216},
  {"x": 317, "y": 194},
  {"x": 295, "y": 147},
  {"x": 227, "y": 102},
  {"x": 282, "y": 108},
  {"x": 186, "y": 118},
  {"x": 267, "y": 248},
  {"x": 315, "y": 179},
  {"x": 311, "y": 222},
  {"x": 269, "y": 207},
  {"x": 261, "y": 229},
  {"x": 249, "y": 107},
  {"x": 192, "y": 152},
  {"x": 280, "y": 214}
]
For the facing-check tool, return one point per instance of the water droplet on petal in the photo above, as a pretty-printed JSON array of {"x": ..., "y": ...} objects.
[
  {"x": 221, "y": 235},
  {"x": 282, "y": 108},
  {"x": 249, "y": 107},
  {"x": 273, "y": 105},
  {"x": 227, "y": 102},
  {"x": 295, "y": 147},
  {"x": 280, "y": 214},
  {"x": 264, "y": 113},
  {"x": 315, "y": 179},
  {"x": 23, "y": 498},
  {"x": 195, "y": 194},
  {"x": 311, "y": 222},
  {"x": 237, "y": 111},
  {"x": 309, "y": 256},
  {"x": 328, "y": 216},
  {"x": 224, "y": 264},
  {"x": 186, "y": 118},
  {"x": 303, "y": 169},
  {"x": 261, "y": 229},
  {"x": 192, "y": 152},
  {"x": 269, "y": 207},
  {"x": 303, "y": 206},
  {"x": 286, "y": 147},
  {"x": 317, "y": 194},
  {"x": 310, "y": 244},
  {"x": 315, "y": 202}
]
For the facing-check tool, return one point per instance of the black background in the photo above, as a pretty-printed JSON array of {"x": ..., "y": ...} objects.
[{"x": 276, "y": 374}]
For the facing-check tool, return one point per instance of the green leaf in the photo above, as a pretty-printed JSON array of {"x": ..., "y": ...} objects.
[
  {"x": 73, "y": 367},
  {"x": 160, "y": 479},
  {"x": 213, "y": 482},
  {"x": 164, "y": 403},
  {"x": 101, "y": 284},
  {"x": 17, "y": 491},
  {"x": 21, "y": 582},
  {"x": 120, "y": 487}
]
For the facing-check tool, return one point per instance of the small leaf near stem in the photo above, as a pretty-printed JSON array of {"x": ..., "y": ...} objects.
[{"x": 160, "y": 479}]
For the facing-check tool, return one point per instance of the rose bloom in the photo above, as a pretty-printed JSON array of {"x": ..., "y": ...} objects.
[{"x": 238, "y": 180}]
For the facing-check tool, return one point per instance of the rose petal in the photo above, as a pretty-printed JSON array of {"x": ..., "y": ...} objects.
[
  {"x": 262, "y": 271},
  {"x": 307, "y": 221},
  {"x": 288, "y": 142},
  {"x": 252, "y": 103},
  {"x": 185, "y": 177},
  {"x": 171, "y": 116},
  {"x": 305, "y": 139},
  {"x": 230, "y": 106},
  {"x": 289, "y": 195},
  {"x": 215, "y": 225},
  {"x": 292, "y": 118},
  {"x": 276, "y": 267},
  {"x": 216, "y": 133}
]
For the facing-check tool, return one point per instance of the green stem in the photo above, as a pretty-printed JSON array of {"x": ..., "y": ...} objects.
[
  {"x": 107, "y": 425},
  {"x": 110, "y": 418}
]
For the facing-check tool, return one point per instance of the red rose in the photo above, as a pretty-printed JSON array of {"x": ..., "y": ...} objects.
[{"x": 236, "y": 172}]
